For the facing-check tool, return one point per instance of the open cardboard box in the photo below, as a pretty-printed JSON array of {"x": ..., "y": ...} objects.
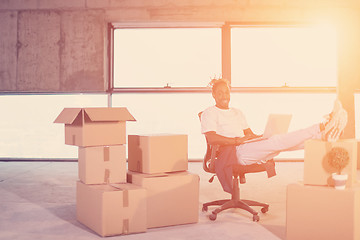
[
  {"x": 102, "y": 164},
  {"x": 111, "y": 210},
  {"x": 172, "y": 198},
  {"x": 94, "y": 126},
  {"x": 157, "y": 153}
]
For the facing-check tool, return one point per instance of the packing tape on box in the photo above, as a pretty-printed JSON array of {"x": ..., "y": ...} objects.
[
  {"x": 125, "y": 195},
  {"x": 125, "y": 198},
  {"x": 125, "y": 204},
  {"x": 106, "y": 153},
  {"x": 107, "y": 176},
  {"x": 126, "y": 226},
  {"x": 106, "y": 157}
]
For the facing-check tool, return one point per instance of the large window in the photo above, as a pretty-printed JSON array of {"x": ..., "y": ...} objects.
[
  {"x": 298, "y": 56},
  {"x": 283, "y": 56},
  {"x": 166, "y": 57},
  {"x": 27, "y": 128},
  {"x": 29, "y": 132}
]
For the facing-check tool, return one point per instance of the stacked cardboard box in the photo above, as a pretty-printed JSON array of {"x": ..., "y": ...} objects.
[
  {"x": 315, "y": 209},
  {"x": 105, "y": 202},
  {"x": 157, "y": 190},
  {"x": 159, "y": 164},
  {"x": 111, "y": 209}
]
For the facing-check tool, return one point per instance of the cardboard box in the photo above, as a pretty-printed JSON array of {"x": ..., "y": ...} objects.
[
  {"x": 172, "y": 199},
  {"x": 319, "y": 212},
  {"x": 94, "y": 126},
  {"x": 111, "y": 209},
  {"x": 104, "y": 164},
  {"x": 157, "y": 153},
  {"x": 317, "y": 171}
]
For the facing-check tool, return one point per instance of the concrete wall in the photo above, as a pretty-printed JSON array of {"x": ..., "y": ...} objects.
[
  {"x": 52, "y": 50},
  {"x": 50, "y": 45}
]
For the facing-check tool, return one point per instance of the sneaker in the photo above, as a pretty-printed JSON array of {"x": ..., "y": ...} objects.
[{"x": 336, "y": 123}]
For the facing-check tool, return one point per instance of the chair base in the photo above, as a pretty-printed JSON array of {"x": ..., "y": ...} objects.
[
  {"x": 236, "y": 201},
  {"x": 231, "y": 203}
]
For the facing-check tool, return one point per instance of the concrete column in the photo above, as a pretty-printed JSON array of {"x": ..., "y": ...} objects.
[{"x": 349, "y": 64}]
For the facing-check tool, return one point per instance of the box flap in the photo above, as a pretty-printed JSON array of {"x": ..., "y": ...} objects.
[
  {"x": 109, "y": 114},
  {"x": 67, "y": 115},
  {"x": 146, "y": 175},
  {"x": 124, "y": 186}
]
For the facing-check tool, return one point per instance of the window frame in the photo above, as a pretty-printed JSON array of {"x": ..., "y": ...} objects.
[{"x": 225, "y": 61}]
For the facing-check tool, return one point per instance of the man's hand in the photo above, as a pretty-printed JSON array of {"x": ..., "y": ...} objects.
[{"x": 250, "y": 135}]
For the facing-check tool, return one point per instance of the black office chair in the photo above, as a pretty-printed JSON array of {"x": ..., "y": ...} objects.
[{"x": 239, "y": 172}]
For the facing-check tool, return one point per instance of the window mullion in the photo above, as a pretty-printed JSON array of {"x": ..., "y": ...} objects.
[{"x": 226, "y": 51}]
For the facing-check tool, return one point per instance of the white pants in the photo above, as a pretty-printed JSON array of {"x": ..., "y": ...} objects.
[{"x": 261, "y": 151}]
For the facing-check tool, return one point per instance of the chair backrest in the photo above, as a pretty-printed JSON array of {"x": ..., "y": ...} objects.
[{"x": 210, "y": 155}]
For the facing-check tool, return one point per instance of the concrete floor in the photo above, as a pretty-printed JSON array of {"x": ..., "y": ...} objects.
[{"x": 37, "y": 201}]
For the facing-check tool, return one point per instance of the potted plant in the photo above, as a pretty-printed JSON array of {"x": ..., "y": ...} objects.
[{"x": 338, "y": 159}]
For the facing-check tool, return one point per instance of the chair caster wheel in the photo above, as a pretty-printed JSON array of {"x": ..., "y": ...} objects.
[
  {"x": 204, "y": 208},
  {"x": 212, "y": 216},
  {"x": 265, "y": 209},
  {"x": 256, "y": 218}
]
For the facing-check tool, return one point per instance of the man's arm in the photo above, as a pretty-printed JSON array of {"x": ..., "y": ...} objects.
[{"x": 215, "y": 139}]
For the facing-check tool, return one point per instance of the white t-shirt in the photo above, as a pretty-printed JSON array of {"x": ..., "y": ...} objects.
[{"x": 225, "y": 122}]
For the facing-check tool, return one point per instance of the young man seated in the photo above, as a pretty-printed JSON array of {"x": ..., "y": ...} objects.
[{"x": 227, "y": 127}]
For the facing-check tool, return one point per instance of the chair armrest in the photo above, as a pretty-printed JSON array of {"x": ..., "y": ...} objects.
[
  {"x": 214, "y": 150},
  {"x": 210, "y": 157}
]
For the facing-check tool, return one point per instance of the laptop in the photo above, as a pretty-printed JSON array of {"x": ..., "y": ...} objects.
[{"x": 276, "y": 124}]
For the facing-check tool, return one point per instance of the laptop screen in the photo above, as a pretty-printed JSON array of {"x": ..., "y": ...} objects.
[{"x": 277, "y": 124}]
